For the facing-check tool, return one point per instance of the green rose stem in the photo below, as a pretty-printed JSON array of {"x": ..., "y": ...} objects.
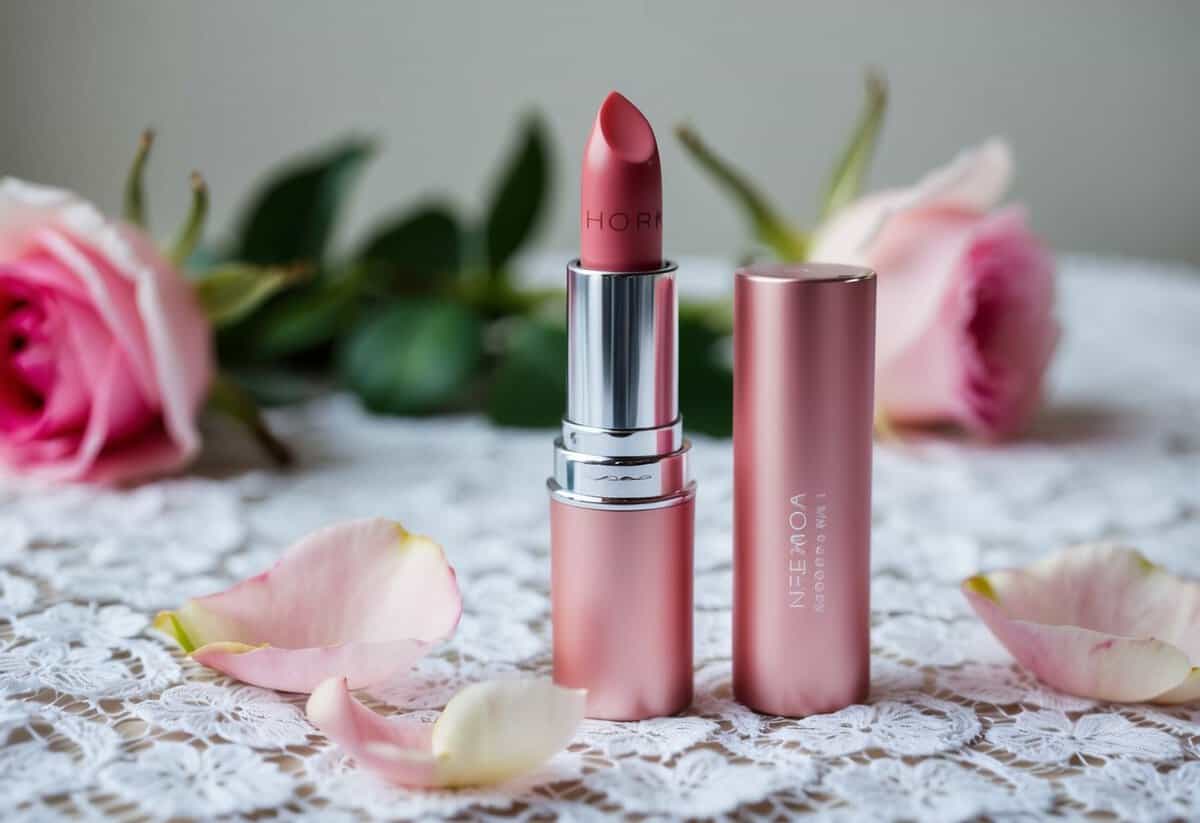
[
  {"x": 193, "y": 227},
  {"x": 847, "y": 178},
  {"x": 770, "y": 228},
  {"x": 790, "y": 244},
  {"x": 135, "y": 195}
]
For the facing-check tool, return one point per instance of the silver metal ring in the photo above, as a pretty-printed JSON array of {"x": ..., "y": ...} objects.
[
  {"x": 626, "y": 504},
  {"x": 623, "y": 442},
  {"x": 624, "y": 478}
]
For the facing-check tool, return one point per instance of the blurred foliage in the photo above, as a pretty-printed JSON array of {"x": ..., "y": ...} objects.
[
  {"x": 530, "y": 386},
  {"x": 423, "y": 315},
  {"x": 292, "y": 217}
]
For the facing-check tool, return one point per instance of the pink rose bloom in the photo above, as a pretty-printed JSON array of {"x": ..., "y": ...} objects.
[
  {"x": 105, "y": 354},
  {"x": 966, "y": 323}
]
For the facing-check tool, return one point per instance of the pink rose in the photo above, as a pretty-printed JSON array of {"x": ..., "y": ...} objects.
[
  {"x": 966, "y": 323},
  {"x": 105, "y": 354}
]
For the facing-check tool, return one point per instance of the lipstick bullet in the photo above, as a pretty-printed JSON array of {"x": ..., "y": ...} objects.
[
  {"x": 620, "y": 214},
  {"x": 622, "y": 501}
]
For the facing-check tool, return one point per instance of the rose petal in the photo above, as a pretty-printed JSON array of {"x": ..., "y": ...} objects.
[
  {"x": 489, "y": 732},
  {"x": 400, "y": 750},
  {"x": 360, "y": 600},
  {"x": 1185, "y": 692},
  {"x": 1086, "y": 663},
  {"x": 497, "y": 730},
  {"x": 363, "y": 663},
  {"x": 1098, "y": 621},
  {"x": 974, "y": 182}
]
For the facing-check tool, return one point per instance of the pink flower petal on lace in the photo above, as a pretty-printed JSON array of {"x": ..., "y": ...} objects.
[
  {"x": 488, "y": 733},
  {"x": 1099, "y": 621},
  {"x": 360, "y": 600}
]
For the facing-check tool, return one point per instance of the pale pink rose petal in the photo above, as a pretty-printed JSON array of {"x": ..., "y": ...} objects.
[
  {"x": 980, "y": 357},
  {"x": 107, "y": 297},
  {"x": 974, "y": 181},
  {"x": 1097, "y": 621},
  {"x": 398, "y": 749},
  {"x": 360, "y": 600},
  {"x": 364, "y": 663},
  {"x": 921, "y": 307},
  {"x": 180, "y": 338},
  {"x": 488, "y": 733}
]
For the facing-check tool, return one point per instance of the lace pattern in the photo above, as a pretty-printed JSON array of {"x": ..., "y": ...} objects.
[{"x": 99, "y": 717}]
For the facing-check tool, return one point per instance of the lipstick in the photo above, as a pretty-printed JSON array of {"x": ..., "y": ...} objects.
[{"x": 622, "y": 501}]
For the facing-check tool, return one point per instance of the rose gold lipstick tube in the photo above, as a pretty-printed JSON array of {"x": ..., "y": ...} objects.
[
  {"x": 804, "y": 344},
  {"x": 622, "y": 501}
]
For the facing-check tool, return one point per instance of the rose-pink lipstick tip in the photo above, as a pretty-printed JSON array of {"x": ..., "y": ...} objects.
[
  {"x": 620, "y": 217},
  {"x": 626, "y": 129}
]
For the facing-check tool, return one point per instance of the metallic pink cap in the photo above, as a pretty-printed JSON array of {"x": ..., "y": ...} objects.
[{"x": 803, "y": 414}]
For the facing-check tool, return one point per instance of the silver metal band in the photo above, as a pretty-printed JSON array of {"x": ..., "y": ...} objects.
[
  {"x": 624, "y": 504},
  {"x": 622, "y": 340},
  {"x": 622, "y": 442},
  {"x": 623, "y": 478}
]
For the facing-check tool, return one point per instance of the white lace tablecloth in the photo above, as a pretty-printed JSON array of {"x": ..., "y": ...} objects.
[{"x": 98, "y": 716}]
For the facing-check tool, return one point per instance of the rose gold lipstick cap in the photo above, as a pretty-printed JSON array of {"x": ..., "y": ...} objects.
[{"x": 804, "y": 351}]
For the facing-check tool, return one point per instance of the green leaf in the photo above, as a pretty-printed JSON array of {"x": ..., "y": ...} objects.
[
  {"x": 227, "y": 397},
  {"x": 705, "y": 380},
  {"x": 231, "y": 292},
  {"x": 298, "y": 321},
  {"x": 135, "y": 190},
  {"x": 769, "y": 226},
  {"x": 847, "y": 179},
  {"x": 518, "y": 198},
  {"x": 414, "y": 253},
  {"x": 192, "y": 229},
  {"x": 413, "y": 357},
  {"x": 530, "y": 386},
  {"x": 293, "y": 215}
]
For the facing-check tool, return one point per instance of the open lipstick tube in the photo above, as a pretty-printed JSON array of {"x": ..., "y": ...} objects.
[{"x": 621, "y": 498}]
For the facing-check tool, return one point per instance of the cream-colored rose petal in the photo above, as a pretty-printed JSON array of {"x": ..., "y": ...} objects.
[
  {"x": 1097, "y": 621},
  {"x": 494, "y": 731},
  {"x": 488, "y": 733},
  {"x": 1186, "y": 692}
]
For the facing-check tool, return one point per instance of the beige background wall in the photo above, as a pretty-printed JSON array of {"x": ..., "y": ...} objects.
[{"x": 1100, "y": 99}]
